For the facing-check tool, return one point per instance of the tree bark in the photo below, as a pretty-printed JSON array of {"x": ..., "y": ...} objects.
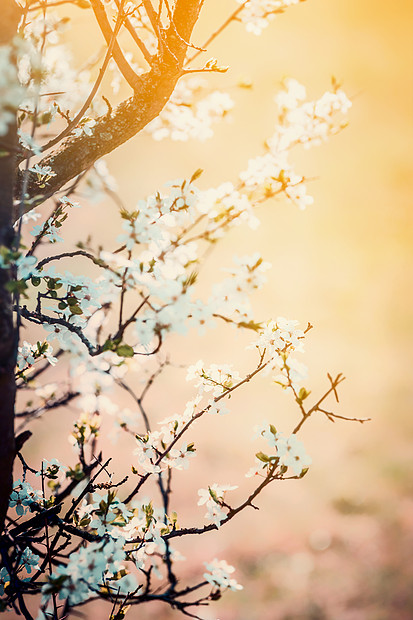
[{"x": 8, "y": 340}]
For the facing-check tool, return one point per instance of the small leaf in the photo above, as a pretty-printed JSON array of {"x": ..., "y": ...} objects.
[
  {"x": 250, "y": 325},
  {"x": 125, "y": 350},
  {"x": 196, "y": 175},
  {"x": 109, "y": 345}
]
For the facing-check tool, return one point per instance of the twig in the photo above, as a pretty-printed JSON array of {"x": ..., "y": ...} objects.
[
  {"x": 124, "y": 67},
  {"x": 217, "y": 32},
  {"x": 111, "y": 45}
]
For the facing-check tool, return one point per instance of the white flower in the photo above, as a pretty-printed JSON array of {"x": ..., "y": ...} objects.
[
  {"x": 126, "y": 584},
  {"x": 26, "y": 355},
  {"x": 29, "y": 560},
  {"x": 85, "y": 127},
  {"x": 212, "y": 498},
  {"x": 59, "y": 332},
  {"x": 295, "y": 455},
  {"x": 256, "y": 14},
  {"x": 51, "y": 468},
  {"x": 28, "y": 142},
  {"x": 183, "y": 117},
  {"x": 22, "y": 496},
  {"x": 219, "y": 575},
  {"x": 43, "y": 171},
  {"x": 86, "y": 571},
  {"x": 48, "y": 230},
  {"x": 25, "y": 267},
  {"x": 257, "y": 469},
  {"x": 69, "y": 202}
]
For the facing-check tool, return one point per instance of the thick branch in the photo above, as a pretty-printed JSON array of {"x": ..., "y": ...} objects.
[{"x": 152, "y": 92}]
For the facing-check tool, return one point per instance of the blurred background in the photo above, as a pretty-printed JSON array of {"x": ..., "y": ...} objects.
[{"x": 336, "y": 545}]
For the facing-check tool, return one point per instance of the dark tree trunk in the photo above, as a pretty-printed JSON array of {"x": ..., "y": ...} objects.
[{"x": 8, "y": 340}]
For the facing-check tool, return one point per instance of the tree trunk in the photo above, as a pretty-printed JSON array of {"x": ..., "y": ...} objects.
[{"x": 8, "y": 339}]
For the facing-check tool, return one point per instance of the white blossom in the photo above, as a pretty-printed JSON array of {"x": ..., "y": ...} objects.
[
  {"x": 213, "y": 498},
  {"x": 219, "y": 575}
]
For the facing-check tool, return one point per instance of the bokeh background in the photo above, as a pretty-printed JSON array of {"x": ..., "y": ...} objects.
[{"x": 336, "y": 545}]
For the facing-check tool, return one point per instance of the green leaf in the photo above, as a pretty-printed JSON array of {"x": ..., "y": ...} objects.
[
  {"x": 124, "y": 350},
  {"x": 109, "y": 345},
  {"x": 17, "y": 287},
  {"x": 302, "y": 395},
  {"x": 262, "y": 457}
]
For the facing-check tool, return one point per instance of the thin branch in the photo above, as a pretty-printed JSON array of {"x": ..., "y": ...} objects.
[
  {"x": 49, "y": 259},
  {"x": 95, "y": 88},
  {"x": 217, "y": 32},
  {"x": 128, "y": 73},
  {"x": 40, "y": 318},
  {"x": 334, "y": 383},
  {"x": 31, "y": 414},
  {"x": 144, "y": 478},
  {"x": 136, "y": 38}
]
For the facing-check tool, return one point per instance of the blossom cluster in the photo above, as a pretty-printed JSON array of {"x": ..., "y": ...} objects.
[
  {"x": 44, "y": 61},
  {"x": 27, "y": 561},
  {"x": 25, "y": 264},
  {"x": 89, "y": 569},
  {"x": 183, "y": 118},
  {"x": 256, "y": 14},
  {"x": 29, "y": 353},
  {"x": 300, "y": 122},
  {"x": 23, "y": 497},
  {"x": 289, "y": 452},
  {"x": 219, "y": 574},
  {"x": 213, "y": 499}
]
